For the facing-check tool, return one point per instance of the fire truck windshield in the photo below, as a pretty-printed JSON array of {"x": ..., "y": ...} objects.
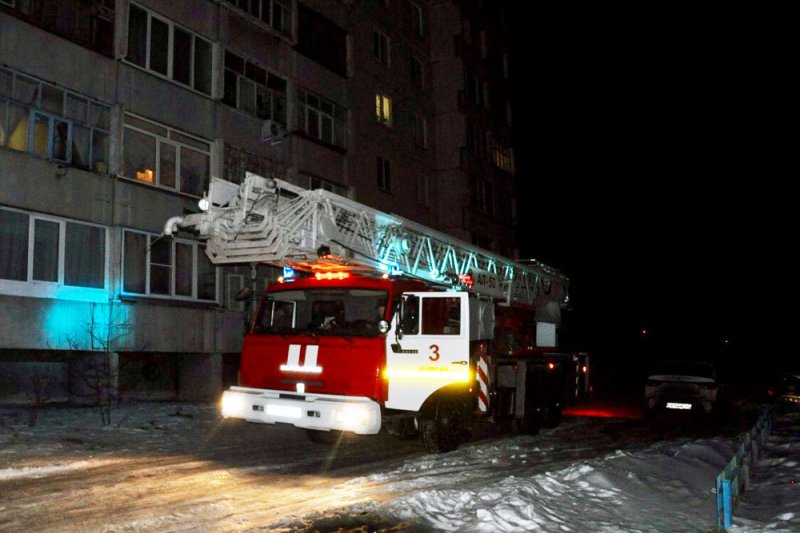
[{"x": 346, "y": 312}]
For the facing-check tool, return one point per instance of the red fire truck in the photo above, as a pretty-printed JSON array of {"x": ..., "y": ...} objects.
[{"x": 382, "y": 323}]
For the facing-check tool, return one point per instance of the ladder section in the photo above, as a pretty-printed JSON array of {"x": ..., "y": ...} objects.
[{"x": 272, "y": 221}]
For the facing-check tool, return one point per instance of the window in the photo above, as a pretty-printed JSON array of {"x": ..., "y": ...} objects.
[
  {"x": 503, "y": 158},
  {"x": 417, "y": 73},
  {"x": 89, "y": 23},
  {"x": 165, "y": 157},
  {"x": 381, "y": 47},
  {"x": 485, "y": 197},
  {"x": 315, "y": 182},
  {"x": 158, "y": 45},
  {"x": 167, "y": 268},
  {"x": 384, "y": 175},
  {"x": 320, "y": 118},
  {"x": 234, "y": 284},
  {"x": 321, "y": 40},
  {"x": 276, "y": 14},
  {"x": 254, "y": 90},
  {"x": 50, "y": 253},
  {"x": 415, "y": 16},
  {"x": 423, "y": 186},
  {"x": 53, "y": 122},
  {"x": 237, "y": 162},
  {"x": 421, "y": 130},
  {"x": 439, "y": 315},
  {"x": 383, "y": 109}
]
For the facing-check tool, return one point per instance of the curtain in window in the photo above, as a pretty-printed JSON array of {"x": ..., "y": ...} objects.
[
  {"x": 135, "y": 257},
  {"x": 84, "y": 256},
  {"x": 13, "y": 246}
]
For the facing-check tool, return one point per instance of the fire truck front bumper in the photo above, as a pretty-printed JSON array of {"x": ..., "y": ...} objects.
[{"x": 360, "y": 415}]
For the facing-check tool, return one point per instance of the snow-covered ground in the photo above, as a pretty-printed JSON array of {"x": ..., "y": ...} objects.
[{"x": 176, "y": 467}]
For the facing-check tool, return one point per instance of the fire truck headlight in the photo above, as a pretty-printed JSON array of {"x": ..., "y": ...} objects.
[
  {"x": 230, "y": 404},
  {"x": 352, "y": 417}
]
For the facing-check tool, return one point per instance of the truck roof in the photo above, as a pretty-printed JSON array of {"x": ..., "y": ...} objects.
[{"x": 350, "y": 280}]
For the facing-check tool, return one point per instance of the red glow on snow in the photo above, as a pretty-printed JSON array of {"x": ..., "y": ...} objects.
[{"x": 603, "y": 412}]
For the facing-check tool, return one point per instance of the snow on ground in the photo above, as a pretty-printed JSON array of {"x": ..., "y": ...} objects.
[{"x": 602, "y": 475}]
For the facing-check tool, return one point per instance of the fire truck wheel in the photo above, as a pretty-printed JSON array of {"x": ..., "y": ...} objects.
[
  {"x": 442, "y": 427},
  {"x": 327, "y": 438}
]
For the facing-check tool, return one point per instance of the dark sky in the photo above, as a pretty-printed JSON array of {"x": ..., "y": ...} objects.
[{"x": 653, "y": 168}]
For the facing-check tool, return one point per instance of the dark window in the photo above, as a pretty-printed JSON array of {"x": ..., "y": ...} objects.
[
  {"x": 89, "y": 23},
  {"x": 321, "y": 40},
  {"x": 182, "y": 57},
  {"x": 137, "y": 37},
  {"x": 384, "y": 174}
]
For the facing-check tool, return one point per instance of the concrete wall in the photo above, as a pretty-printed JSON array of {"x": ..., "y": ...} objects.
[{"x": 55, "y": 324}]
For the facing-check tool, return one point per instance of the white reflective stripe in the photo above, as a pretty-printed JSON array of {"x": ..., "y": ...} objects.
[
  {"x": 311, "y": 356},
  {"x": 294, "y": 355}
]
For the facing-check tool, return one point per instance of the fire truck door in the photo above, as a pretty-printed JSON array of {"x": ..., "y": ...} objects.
[{"x": 427, "y": 347}]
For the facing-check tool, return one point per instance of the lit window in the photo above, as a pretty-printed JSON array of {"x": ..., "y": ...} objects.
[
  {"x": 151, "y": 153},
  {"x": 53, "y": 123},
  {"x": 383, "y": 109}
]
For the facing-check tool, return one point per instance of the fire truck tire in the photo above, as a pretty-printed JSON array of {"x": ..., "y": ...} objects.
[
  {"x": 442, "y": 428},
  {"x": 327, "y": 438}
]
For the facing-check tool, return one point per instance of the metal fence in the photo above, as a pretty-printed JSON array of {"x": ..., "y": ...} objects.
[{"x": 735, "y": 477}]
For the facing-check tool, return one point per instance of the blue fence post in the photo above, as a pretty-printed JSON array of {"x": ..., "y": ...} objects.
[{"x": 727, "y": 504}]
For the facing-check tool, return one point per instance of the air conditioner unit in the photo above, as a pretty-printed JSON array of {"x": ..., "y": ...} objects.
[{"x": 272, "y": 132}]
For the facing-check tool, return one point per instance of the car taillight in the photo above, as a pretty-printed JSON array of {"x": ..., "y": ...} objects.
[{"x": 653, "y": 383}]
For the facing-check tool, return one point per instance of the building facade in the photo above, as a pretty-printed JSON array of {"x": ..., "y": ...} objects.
[{"x": 114, "y": 114}]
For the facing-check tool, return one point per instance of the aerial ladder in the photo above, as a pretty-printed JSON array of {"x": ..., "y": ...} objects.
[{"x": 268, "y": 220}]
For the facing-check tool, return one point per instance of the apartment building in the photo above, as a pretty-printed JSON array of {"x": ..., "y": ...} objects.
[{"x": 114, "y": 114}]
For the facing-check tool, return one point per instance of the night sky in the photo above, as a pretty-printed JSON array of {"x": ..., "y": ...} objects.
[{"x": 653, "y": 169}]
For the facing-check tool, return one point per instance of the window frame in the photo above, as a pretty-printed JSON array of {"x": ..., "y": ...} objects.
[
  {"x": 169, "y": 140},
  {"x": 421, "y": 130},
  {"x": 271, "y": 93},
  {"x": 285, "y": 9},
  {"x": 306, "y": 108},
  {"x": 170, "y": 75},
  {"x": 382, "y": 48},
  {"x": 197, "y": 248},
  {"x": 58, "y": 288},
  {"x": 383, "y": 174},
  {"x": 65, "y": 114},
  {"x": 383, "y": 109}
]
